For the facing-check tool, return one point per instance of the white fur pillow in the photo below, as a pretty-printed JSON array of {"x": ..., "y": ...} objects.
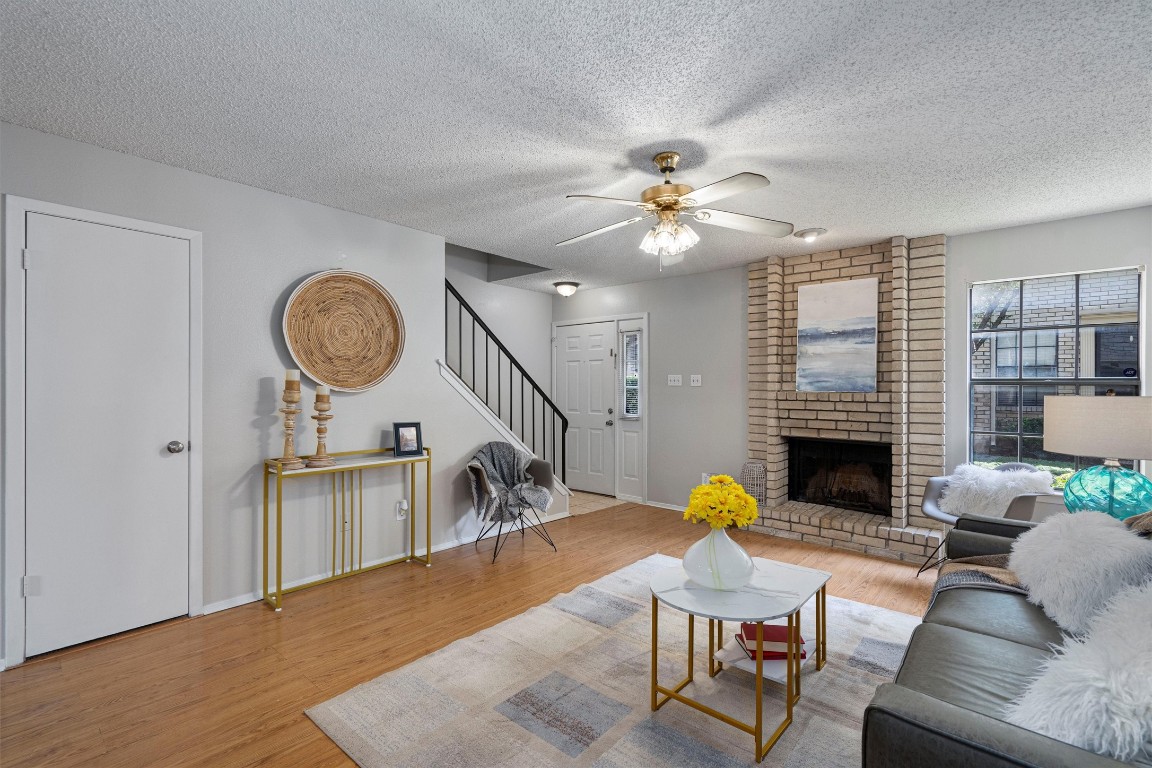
[
  {"x": 1096, "y": 692},
  {"x": 1073, "y": 564},
  {"x": 978, "y": 491}
]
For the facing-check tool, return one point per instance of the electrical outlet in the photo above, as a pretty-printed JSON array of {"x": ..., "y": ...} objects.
[
  {"x": 695, "y": 380},
  {"x": 402, "y": 509},
  {"x": 675, "y": 380}
]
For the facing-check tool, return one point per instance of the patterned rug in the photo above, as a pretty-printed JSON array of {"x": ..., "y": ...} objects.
[{"x": 567, "y": 684}]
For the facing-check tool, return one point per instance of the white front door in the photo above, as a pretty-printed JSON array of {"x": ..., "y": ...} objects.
[
  {"x": 586, "y": 393},
  {"x": 107, "y": 339}
]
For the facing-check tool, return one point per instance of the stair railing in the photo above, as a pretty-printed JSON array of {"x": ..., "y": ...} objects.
[{"x": 505, "y": 388}]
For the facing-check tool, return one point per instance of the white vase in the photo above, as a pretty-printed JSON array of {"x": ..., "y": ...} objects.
[{"x": 717, "y": 562}]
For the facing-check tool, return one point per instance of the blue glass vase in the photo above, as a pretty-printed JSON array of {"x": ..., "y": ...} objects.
[{"x": 1116, "y": 491}]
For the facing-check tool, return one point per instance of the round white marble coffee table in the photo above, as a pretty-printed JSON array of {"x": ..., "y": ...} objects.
[{"x": 777, "y": 591}]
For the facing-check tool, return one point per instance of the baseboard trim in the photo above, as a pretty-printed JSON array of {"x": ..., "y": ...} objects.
[
  {"x": 255, "y": 597},
  {"x": 661, "y": 505}
]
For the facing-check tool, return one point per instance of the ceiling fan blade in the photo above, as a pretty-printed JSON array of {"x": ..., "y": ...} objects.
[
  {"x": 733, "y": 185},
  {"x": 602, "y": 230},
  {"x": 617, "y": 200},
  {"x": 742, "y": 222}
]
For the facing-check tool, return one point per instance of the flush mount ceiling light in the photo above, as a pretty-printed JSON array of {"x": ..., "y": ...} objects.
[
  {"x": 670, "y": 238},
  {"x": 566, "y": 287},
  {"x": 808, "y": 235}
]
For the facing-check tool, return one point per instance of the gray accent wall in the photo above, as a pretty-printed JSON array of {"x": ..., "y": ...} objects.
[
  {"x": 696, "y": 324},
  {"x": 257, "y": 247},
  {"x": 1101, "y": 241}
]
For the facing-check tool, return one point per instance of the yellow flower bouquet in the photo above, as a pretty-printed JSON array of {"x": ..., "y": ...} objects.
[{"x": 722, "y": 503}]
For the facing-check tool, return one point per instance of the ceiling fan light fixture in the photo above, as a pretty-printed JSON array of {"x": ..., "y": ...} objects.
[
  {"x": 566, "y": 287},
  {"x": 808, "y": 235},
  {"x": 686, "y": 237}
]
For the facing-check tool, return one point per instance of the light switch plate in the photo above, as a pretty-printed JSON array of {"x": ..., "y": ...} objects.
[
  {"x": 695, "y": 380},
  {"x": 675, "y": 380}
]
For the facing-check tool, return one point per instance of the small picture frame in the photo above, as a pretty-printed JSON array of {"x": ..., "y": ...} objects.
[{"x": 408, "y": 441}]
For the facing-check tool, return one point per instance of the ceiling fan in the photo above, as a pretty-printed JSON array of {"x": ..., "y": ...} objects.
[{"x": 670, "y": 238}]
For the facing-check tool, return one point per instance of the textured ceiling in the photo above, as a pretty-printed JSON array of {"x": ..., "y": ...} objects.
[{"x": 472, "y": 120}]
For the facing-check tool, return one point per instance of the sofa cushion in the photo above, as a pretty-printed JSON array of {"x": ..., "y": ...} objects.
[
  {"x": 1004, "y": 615},
  {"x": 968, "y": 669},
  {"x": 1073, "y": 564},
  {"x": 1096, "y": 691}
]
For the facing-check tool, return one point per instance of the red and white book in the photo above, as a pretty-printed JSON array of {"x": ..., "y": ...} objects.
[{"x": 775, "y": 641}]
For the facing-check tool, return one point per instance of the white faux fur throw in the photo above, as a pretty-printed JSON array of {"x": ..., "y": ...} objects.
[
  {"x": 1072, "y": 564},
  {"x": 1096, "y": 692},
  {"x": 978, "y": 491}
]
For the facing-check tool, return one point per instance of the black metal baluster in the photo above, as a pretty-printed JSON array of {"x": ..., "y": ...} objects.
[{"x": 527, "y": 400}]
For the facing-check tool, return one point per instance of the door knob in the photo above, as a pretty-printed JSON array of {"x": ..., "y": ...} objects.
[
  {"x": 175, "y": 447},
  {"x": 610, "y": 411},
  {"x": 609, "y": 423}
]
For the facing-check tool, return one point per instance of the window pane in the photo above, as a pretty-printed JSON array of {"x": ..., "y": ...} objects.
[
  {"x": 996, "y": 305},
  {"x": 1048, "y": 354},
  {"x": 994, "y": 355},
  {"x": 1109, "y": 297},
  {"x": 1109, "y": 351},
  {"x": 631, "y": 374},
  {"x": 1050, "y": 301},
  {"x": 1100, "y": 390},
  {"x": 995, "y": 408},
  {"x": 995, "y": 449},
  {"x": 1032, "y": 451}
]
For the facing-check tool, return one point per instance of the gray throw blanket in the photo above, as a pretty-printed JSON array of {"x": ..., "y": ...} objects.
[
  {"x": 981, "y": 572},
  {"x": 502, "y": 488}
]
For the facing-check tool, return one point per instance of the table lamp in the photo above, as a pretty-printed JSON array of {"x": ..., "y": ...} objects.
[{"x": 1109, "y": 426}]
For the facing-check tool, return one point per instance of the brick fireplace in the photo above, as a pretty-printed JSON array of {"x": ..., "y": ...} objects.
[{"x": 906, "y": 413}]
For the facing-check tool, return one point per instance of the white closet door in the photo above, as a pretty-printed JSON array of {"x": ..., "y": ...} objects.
[{"x": 107, "y": 504}]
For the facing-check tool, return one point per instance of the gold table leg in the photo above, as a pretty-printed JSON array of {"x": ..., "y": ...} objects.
[{"x": 661, "y": 695}]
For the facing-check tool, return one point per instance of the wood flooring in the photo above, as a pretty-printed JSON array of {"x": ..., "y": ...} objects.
[{"x": 230, "y": 688}]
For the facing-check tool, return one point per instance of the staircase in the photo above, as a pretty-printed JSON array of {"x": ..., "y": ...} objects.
[{"x": 485, "y": 366}]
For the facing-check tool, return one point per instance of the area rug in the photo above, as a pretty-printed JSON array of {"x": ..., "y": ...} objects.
[{"x": 567, "y": 684}]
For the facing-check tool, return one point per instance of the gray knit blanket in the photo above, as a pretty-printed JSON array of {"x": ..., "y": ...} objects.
[
  {"x": 980, "y": 572},
  {"x": 502, "y": 488}
]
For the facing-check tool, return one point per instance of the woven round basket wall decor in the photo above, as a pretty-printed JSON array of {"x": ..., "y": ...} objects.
[{"x": 344, "y": 330}]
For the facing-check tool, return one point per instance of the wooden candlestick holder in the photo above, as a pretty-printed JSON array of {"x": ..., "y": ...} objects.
[
  {"x": 321, "y": 458},
  {"x": 291, "y": 397}
]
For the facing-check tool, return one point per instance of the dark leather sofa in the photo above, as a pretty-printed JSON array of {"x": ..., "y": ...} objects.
[{"x": 975, "y": 652}]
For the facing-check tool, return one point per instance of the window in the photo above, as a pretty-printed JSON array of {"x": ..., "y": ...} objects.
[
  {"x": 631, "y": 375},
  {"x": 1063, "y": 335}
]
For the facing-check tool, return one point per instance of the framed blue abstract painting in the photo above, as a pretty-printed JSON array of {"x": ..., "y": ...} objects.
[{"x": 836, "y": 336}]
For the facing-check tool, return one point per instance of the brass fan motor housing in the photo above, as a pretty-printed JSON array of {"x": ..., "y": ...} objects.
[
  {"x": 664, "y": 194},
  {"x": 667, "y": 161}
]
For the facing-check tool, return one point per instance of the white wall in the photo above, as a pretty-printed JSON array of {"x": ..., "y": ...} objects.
[
  {"x": 520, "y": 319},
  {"x": 1101, "y": 241},
  {"x": 696, "y": 324},
  {"x": 257, "y": 246}
]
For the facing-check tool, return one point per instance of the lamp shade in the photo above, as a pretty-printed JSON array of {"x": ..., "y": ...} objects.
[{"x": 1108, "y": 427}]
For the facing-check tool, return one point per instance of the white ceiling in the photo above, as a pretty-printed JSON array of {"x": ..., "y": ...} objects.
[{"x": 472, "y": 120}]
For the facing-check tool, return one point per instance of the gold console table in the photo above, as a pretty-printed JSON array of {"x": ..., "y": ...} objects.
[{"x": 347, "y": 514}]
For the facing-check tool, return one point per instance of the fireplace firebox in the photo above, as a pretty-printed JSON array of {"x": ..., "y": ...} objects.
[{"x": 841, "y": 473}]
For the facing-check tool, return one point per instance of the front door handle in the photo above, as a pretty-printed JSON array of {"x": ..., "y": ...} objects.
[
  {"x": 609, "y": 423},
  {"x": 175, "y": 447}
]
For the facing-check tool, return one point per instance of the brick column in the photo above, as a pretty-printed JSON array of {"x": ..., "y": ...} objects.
[
  {"x": 926, "y": 352},
  {"x": 758, "y": 342},
  {"x": 900, "y": 380}
]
